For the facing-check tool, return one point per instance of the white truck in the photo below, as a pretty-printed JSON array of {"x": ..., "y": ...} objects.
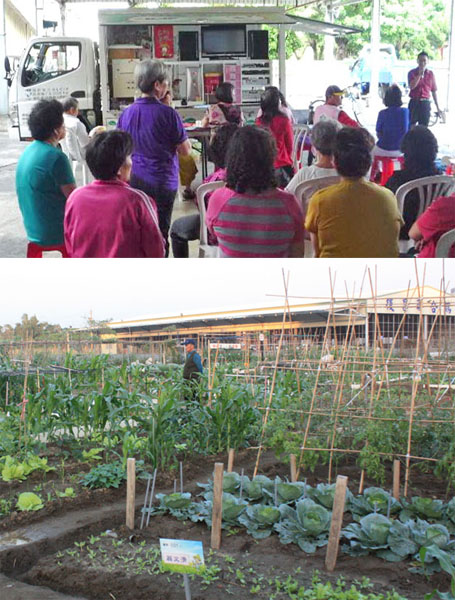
[{"x": 201, "y": 47}]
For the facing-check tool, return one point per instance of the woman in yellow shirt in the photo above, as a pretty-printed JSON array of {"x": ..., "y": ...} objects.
[{"x": 354, "y": 218}]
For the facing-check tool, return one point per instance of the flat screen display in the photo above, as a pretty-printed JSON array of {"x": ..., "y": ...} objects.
[{"x": 224, "y": 40}]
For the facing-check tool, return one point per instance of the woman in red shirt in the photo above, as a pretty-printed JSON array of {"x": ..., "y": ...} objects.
[{"x": 280, "y": 127}]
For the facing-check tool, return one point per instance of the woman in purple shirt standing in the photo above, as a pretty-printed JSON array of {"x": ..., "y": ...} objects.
[{"x": 158, "y": 134}]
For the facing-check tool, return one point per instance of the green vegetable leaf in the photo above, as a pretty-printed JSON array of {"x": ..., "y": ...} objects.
[{"x": 29, "y": 501}]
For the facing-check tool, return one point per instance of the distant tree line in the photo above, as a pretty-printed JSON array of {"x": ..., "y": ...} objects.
[
  {"x": 410, "y": 25},
  {"x": 30, "y": 328}
]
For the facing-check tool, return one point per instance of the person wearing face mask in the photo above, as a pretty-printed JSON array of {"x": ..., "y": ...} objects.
[
  {"x": 44, "y": 180},
  {"x": 158, "y": 136},
  {"x": 422, "y": 83},
  {"x": 108, "y": 218}
]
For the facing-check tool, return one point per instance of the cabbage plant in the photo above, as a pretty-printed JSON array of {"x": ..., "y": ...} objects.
[
  {"x": 369, "y": 534},
  {"x": 232, "y": 509},
  {"x": 307, "y": 525},
  {"x": 259, "y": 520},
  {"x": 374, "y": 499},
  {"x": 425, "y": 508},
  {"x": 179, "y": 505},
  {"x": 324, "y": 494},
  {"x": 285, "y": 492}
]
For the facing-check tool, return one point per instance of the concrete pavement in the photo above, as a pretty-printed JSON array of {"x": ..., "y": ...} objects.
[{"x": 13, "y": 241}]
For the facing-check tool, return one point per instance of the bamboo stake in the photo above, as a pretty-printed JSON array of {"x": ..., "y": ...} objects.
[
  {"x": 313, "y": 398},
  {"x": 373, "y": 371},
  {"x": 339, "y": 391},
  {"x": 337, "y": 522},
  {"x": 130, "y": 491},
  {"x": 293, "y": 468},
  {"x": 396, "y": 479},
  {"x": 272, "y": 387},
  {"x": 418, "y": 369},
  {"x": 230, "y": 460},
  {"x": 217, "y": 511}
]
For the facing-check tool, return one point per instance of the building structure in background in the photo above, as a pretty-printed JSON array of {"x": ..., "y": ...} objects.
[
  {"x": 19, "y": 26},
  {"x": 402, "y": 318}
]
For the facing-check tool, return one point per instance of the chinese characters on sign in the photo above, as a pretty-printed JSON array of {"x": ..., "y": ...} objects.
[
  {"x": 164, "y": 41},
  {"x": 183, "y": 556},
  {"x": 393, "y": 305}
]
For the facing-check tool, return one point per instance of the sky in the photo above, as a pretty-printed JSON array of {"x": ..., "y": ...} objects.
[{"x": 64, "y": 292}]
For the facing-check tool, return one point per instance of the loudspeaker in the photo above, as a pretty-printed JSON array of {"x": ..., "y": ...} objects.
[
  {"x": 258, "y": 44},
  {"x": 189, "y": 45}
]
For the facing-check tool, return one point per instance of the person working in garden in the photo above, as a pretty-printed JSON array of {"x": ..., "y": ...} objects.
[
  {"x": 422, "y": 82},
  {"x": 192, "y": 368}
]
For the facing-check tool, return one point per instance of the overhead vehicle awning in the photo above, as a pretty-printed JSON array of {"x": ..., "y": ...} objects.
[
  {"x": 219, "y": 16},
  {"x": 320, "y": 27}
]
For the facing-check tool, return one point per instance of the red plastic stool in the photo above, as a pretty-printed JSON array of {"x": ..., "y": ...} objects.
[
  {"x": 387, "y": 164},
  {"x": 36, "y": 251}
]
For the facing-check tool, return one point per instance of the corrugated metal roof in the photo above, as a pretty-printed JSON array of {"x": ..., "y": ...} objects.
[{"x": 277, "y": 311}]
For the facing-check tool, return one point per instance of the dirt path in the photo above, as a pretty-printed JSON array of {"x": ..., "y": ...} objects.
[{"x": 10, "y": 589}]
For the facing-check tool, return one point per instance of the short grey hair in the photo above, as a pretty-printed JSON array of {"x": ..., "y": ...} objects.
[
  {"x": 147, "y": 73},
  {"x": 69, "y": 103},
  {"x": 323, "y": 136}
]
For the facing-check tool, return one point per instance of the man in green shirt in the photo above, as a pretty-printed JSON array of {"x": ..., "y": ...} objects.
[{"x": 44, "y": 179}]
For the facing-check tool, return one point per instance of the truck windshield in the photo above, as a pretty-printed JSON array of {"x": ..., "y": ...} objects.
[{"x": 48, "y": 60}]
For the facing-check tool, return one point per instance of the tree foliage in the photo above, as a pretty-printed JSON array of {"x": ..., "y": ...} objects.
[
  {"x": 410, "y": 25},
  {"x": 29, "y": 328}
]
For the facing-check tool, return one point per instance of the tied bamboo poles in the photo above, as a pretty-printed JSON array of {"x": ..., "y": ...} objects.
[
  {"x": 272, "y": 386},
  {"x": 315, "y": 388},
  {"x": 340, "y": 383},
  {"x": 418, "y": 372}
]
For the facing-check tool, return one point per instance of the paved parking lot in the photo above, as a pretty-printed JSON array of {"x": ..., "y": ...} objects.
[{"x": 13, "y": 241}]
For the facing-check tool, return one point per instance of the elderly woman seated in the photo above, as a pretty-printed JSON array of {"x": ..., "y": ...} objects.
[
  {"x": 251, "y": 217},
  {"x": 108, "y": 218},
  {"x": 44, "y": 180},
  {"x": 323, "y": 137},
  {"x": 353, "y": 218},
  {"x": 420, "y": 148},
  {"x": 439, "y": 218}
]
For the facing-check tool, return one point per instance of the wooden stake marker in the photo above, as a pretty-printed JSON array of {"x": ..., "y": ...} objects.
[
  {"x": 217, "y": 511},
  {"x": 337, "y": 522},
  {"x": 130, "y": 491},
  {"x": 396, "y": 479},
  {"x": 293, "y": 468},
  {"x": 230, "y": 460}
]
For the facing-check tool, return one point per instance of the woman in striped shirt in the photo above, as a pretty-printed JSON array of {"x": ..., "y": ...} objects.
[{"x": 251, "y": 217}]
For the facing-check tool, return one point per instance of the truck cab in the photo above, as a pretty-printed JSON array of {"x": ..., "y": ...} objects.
[{"x": 52, "y": 67}]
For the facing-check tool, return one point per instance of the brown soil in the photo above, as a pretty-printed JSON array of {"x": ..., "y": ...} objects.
[
  {"x": 268, "y": 557},
  {"x": 113, "y": 572}
]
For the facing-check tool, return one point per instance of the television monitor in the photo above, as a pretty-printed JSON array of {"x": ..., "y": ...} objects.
[{"x": 223, "y": 40}]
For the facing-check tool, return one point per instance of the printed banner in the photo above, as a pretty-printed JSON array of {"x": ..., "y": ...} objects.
[{"x": 164, "y": 41}]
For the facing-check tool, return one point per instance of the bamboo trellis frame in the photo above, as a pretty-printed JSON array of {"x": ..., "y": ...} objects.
[{"x": 414, "y": 372}]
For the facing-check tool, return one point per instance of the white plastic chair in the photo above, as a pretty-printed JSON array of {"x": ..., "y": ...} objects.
[
  {"x": 303, "y": 193},
  {"x": 445, "y": 243},
  {"x": 428, "y": 188},
  {"x": 206, "y": 251},
  {"x": 300, "y": 135}
]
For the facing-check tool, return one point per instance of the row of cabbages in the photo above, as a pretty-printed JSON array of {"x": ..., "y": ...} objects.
[{"x": 301, "y": 514}]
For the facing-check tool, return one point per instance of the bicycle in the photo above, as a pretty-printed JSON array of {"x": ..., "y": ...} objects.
[
  {"x": 437, "y": 117},
  {"x": 353, "y": 94}
]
